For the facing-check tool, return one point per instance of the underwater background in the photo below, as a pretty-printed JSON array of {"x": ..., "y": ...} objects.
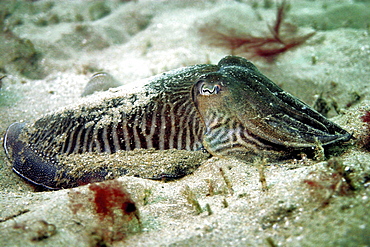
[{"x": 317, "y": 50}]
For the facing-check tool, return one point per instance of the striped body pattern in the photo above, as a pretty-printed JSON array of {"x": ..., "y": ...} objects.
[
  {"x": 227, "y": 137},
  {"x": 159, "y": 125},
  {"x": 230, "y": 109}
]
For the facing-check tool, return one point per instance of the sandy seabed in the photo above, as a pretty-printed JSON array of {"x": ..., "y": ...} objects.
[{"x": 49, "y": 50}]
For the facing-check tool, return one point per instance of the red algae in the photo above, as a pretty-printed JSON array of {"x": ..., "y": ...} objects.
[
  {"x": 109, "y": 197},
  {"x": 366, "y": 118},
  {"x": 251, "y": 46},
  {"x": 337, "y": 180},
  {"x": 107, "y": 211},
  {"x": 365, "y": 138}
]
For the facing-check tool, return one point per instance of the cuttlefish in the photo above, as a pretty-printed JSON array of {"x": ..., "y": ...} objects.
[{"x": 229, "y": 110}]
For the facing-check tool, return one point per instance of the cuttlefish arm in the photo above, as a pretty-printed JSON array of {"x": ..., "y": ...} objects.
[{"x": 246, "y": 114}]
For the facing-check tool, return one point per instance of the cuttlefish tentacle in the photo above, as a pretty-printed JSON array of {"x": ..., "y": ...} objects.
[{"x": 231, "y": 109}]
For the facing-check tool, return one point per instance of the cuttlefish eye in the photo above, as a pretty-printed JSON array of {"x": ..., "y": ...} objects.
[{"x": 208, "y": 88}]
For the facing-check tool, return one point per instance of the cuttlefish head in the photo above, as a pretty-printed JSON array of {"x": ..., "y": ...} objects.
[{"x": 245, "y": 114}]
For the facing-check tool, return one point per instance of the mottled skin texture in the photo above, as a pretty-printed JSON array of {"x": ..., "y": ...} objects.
[
  {"x": 275, "y": 122},
  {"x": 230, "y": 109}
]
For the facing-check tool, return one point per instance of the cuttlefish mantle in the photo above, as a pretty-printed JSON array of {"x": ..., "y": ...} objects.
[{"x": 229, "y": 109}]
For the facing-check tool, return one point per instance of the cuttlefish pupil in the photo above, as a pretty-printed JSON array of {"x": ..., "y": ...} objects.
[
  {"x": 209, "y": 89},
  {"x": 231, "y": 109},
  {"x": 210, "y": 84}
]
